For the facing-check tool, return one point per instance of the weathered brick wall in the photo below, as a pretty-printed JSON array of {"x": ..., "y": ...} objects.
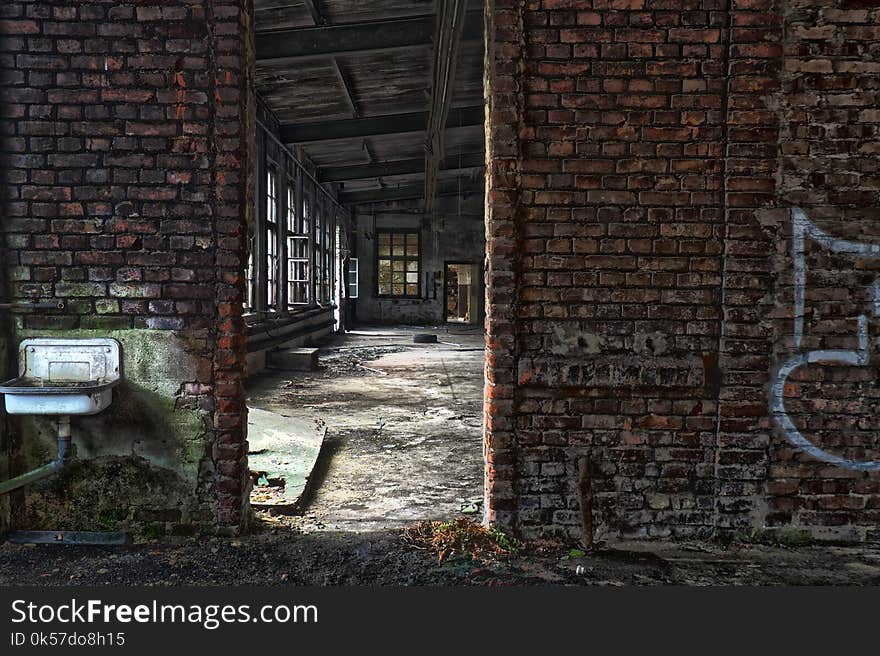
[
  {"x": 616, "y": 211},
  {"x": 816, "y": 126},
  {"x": 643, "y": 157},
  {"x": 124, "y": 138},
  {"x": 744, "y": 428}
]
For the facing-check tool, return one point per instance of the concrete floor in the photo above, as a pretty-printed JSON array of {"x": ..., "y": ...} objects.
[{"x": 404, "y": 426}]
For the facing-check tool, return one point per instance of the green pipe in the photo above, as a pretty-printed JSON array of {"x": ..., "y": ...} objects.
[{"x": 61, "y": 461}]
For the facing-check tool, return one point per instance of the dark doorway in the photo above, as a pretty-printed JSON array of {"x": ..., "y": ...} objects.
[{"x": 460, "y": 293}]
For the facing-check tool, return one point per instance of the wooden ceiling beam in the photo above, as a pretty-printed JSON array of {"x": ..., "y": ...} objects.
[
  {"x": 409, "y": 192},
  {"x": 397, "y": 167},
  {"x": 353, "y": 38},
  {"x": 371, "y": 126},
  {"x": 444, "y": 58}
]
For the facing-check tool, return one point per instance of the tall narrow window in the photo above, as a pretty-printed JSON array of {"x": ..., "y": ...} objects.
[
  {"x": 327, "y": 255},
  {"x": 398, "y": 263},
  {"x": 249, "y": 278},
  {"x": 272, "y": 239},
  {"x": 297, "y": 253},
  {"x": 353, "y": 277},
  {"x": 317, "y": 226}
]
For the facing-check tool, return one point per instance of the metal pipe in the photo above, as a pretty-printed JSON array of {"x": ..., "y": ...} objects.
[
  {"x": 42, "y": 305},
  {"x": 65, "y": 455}
]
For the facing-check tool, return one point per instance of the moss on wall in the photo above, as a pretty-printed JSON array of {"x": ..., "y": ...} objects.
[{"x": 143, "y": 465}]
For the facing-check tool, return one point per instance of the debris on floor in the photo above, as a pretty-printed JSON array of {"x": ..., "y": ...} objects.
[
  {"x": 404, "y": 427},
  {"x": 461, "y": 537},
  {"x": 291, "y": 551}
]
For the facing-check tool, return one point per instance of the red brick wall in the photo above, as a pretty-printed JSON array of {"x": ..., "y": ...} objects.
[
  {"x": 123, "y": 137},
  {"x": 643, "y": 158}
]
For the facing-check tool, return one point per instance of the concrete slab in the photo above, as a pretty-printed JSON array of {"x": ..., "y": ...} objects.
[
  {"x": 282, "y": 448},
  {"x": 295, "y": 359}
]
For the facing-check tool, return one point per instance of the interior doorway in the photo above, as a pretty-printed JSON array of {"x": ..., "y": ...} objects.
[
  {"x": 461, "y": 301},
  {"x": 368, "y": 428}
]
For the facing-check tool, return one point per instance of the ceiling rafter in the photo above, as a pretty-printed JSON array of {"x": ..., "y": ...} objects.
[
  {"x": 353, "y": 38},
  {"x": 397, "y": 167},
  {"x": 375, "y": 125},
  {"x": 444, "y": 58},
  {"x": 409, "y": 192}
]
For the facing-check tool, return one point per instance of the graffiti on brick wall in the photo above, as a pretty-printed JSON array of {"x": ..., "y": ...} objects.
[{"x": 802, "y": 228}]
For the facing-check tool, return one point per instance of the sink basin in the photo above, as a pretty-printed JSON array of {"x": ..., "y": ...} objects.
[{"x": 64, "y": 377}]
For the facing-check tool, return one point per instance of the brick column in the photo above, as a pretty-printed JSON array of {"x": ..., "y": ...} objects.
[
  {"x": 232, "y": 133},
  {"x": 751, "y": 164},
  {"x": 504, "y": 61},
  {"x": 605, "y": 224}
]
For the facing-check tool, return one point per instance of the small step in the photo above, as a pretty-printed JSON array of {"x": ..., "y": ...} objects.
[{"x": 296, "y": 359}]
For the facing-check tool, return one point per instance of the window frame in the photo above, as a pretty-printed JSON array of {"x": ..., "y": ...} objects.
[
  {"x": 405, "y": 258},
  {"x": 293, "y": 261},
  {"x": 353, "y": 268},
  {"x": 271, "y": 229},
  {"x": 297, "y": 239}
]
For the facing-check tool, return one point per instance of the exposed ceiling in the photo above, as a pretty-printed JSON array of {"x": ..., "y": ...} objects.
[{"x": 351, "y": 83}]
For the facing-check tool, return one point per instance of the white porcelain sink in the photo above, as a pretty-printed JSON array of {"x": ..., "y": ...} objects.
[{"x": 64, "y": 377}]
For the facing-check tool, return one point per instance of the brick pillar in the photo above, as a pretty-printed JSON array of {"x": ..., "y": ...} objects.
[
  {"x": 605, "y": 223},
  {"x": 750, "y": 257},
  {"x": 504, "y": 92},
  {"x": 232, "y": 136}
]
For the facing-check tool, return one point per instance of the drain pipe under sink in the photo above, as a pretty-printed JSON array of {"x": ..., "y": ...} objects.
[{"x": 65, "y": 455}]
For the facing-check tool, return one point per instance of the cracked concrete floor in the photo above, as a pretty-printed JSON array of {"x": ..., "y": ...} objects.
[{"x": 404, "y": 436}]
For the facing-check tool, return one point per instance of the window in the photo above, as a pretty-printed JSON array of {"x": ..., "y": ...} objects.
[
  {"x": 293, "y": 259},
  {"x": 297, "y": 252},
  {"x": 249, "y": 277},
  {"x": 272, "y": 239},
  {"x": 398, "y": 263},
  {"x": 323, "y": 226},
  {"x": 318, "y": 255},
  {"x": 327, "y": 248},
  {"x": 353, "y": 277}
]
